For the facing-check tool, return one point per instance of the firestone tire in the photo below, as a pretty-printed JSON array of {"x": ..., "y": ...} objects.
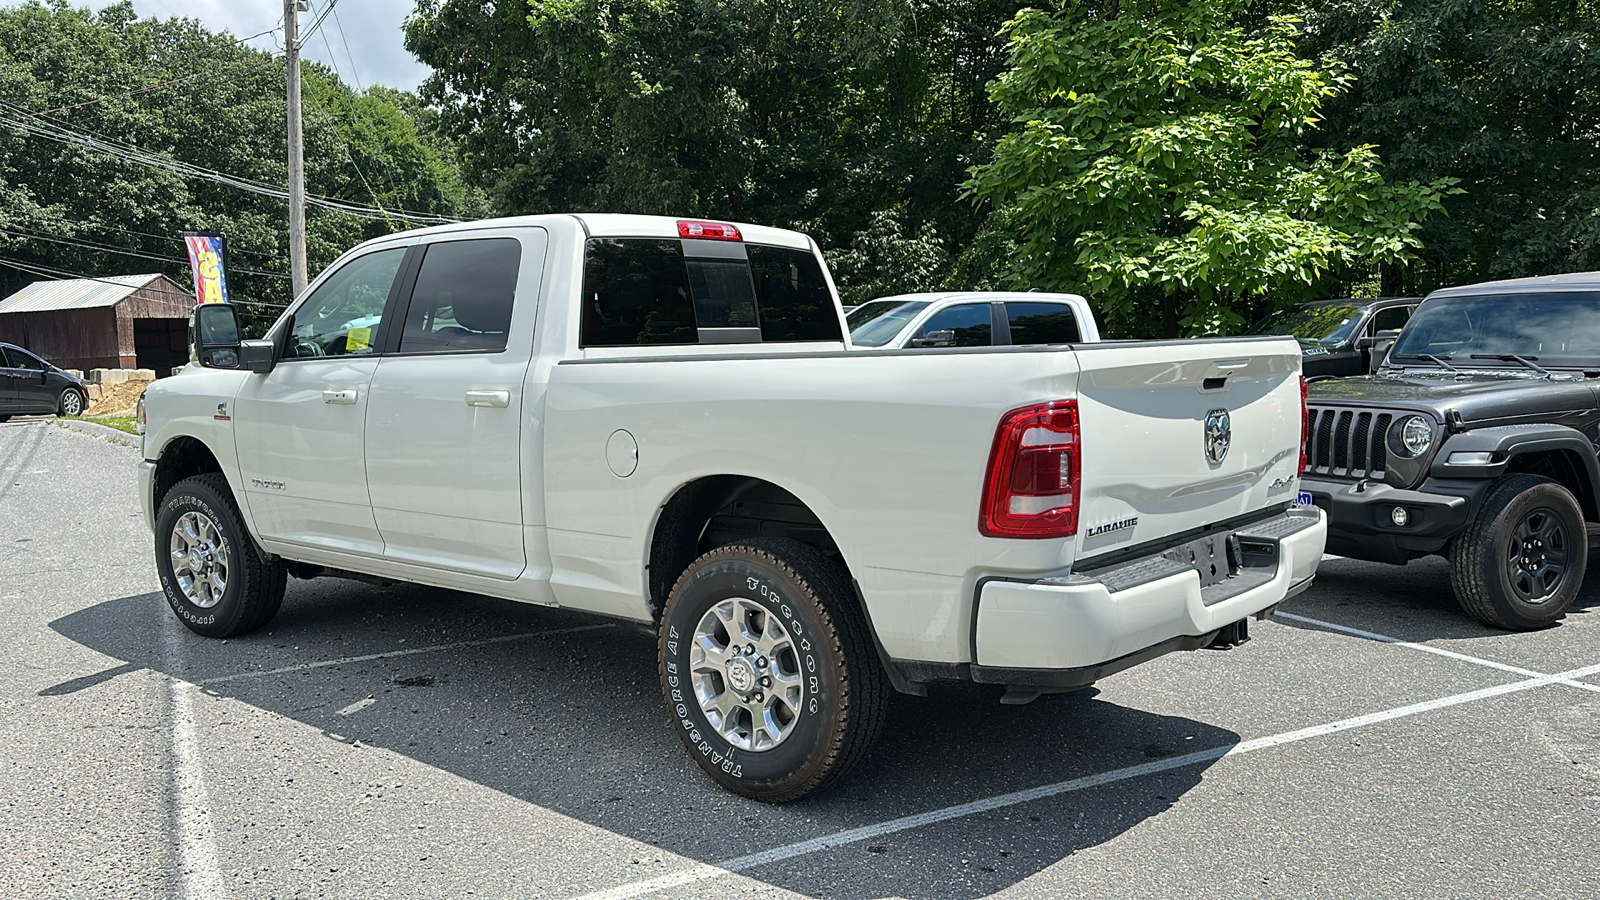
[
  {"x": 214, "y": 578},
  {"x": 70, "y": 404},
  {"x": 769, "y": 670},
  {"x": 1519, "y": 563}
]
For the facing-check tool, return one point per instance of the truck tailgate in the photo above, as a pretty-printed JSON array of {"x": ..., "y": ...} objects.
[{"x": 1179, "y": 436}]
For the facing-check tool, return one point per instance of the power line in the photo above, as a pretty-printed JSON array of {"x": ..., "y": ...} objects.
[
  {"x": 334, "y": 126},
  {"x": 167, "y": 237},
  {"x": 57, "y": 132},
  {"x": 104, "y": 248},
  {"x": 58, "y": 274}
]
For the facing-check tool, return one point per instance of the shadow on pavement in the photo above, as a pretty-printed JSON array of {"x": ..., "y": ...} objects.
[
  {"x": 1413, "y": 602},
  {"x": 573, "y": 722}
]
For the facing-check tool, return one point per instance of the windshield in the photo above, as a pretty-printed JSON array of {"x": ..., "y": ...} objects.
[
  {"x": 1325, "y": 323},
  {"x": 876, "y": 323},
  {"x": 1555, "y": 329}
]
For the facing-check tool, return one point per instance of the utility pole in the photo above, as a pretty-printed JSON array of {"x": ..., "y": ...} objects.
[{"x": 297, "y": 168}]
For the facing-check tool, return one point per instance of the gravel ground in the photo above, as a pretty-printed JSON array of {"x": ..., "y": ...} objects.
[{"x": 413, "y": 742}]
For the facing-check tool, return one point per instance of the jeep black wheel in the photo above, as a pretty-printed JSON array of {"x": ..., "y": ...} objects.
[
  {"x": 214, "y": 578},
  {"x": 1520, "y": 561},
  {"x": 768, "y": 669}
]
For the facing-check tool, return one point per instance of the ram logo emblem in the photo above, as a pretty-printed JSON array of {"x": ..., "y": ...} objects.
[{"x": 1219, "y": 435}]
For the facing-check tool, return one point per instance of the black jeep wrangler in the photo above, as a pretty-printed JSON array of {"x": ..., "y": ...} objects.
[{"x": 1475, "y": 439}]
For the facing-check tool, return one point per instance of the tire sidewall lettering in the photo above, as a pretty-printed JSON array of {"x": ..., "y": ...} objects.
[
  {"x": 745, "y": 579},
  {"x": 173, "y": 508}
]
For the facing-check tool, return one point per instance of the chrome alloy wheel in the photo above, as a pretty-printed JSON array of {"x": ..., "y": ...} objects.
[
  {"x": 199, "y": 559},
  {"x": 746, "y": 674}
]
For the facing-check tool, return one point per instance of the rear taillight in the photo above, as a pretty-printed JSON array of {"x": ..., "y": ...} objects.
[
  {"x": 1031, "y": 489},
  {"x": 1305, "y": 425},
  {"x": 709, "y": 231}
]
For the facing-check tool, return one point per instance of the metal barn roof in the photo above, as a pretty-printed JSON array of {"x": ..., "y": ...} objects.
[{"x": 75, "y": 293}]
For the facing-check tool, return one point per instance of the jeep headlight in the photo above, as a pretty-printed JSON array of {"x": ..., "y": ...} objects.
[{"x": 1412, "y": 438}]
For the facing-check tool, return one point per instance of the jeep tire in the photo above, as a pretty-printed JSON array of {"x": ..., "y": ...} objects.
[
  {"x": 1519, "y": 563},
  {"x": 769, "y": 670},
  {"x": 214, "y": 578}
]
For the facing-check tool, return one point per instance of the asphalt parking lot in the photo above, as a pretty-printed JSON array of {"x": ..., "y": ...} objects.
[{"x": 412, "y": 742}]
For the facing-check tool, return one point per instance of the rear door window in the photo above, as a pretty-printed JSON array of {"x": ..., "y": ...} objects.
[
  {"x": 1042, "y": 323},
  {"x": 969, "y": 321},
  {"x": 462, "y": 298}
]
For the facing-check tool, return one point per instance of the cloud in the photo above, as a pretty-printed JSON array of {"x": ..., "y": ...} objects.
[{"x": 376, "y": 53}]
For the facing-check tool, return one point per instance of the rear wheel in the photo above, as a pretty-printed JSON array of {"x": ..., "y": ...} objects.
[
  {"x": 71, "y": 403},
  {"x": 769, "y": 670},
  {"x": 1520, "y": 561},
  {"x": 214, "y": 578}
]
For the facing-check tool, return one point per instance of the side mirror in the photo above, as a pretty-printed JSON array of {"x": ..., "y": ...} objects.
[
  {"x": 214, "y": 331},
  {"x": 946, "y": 338},
  {"x": 1382, "y": 342}
]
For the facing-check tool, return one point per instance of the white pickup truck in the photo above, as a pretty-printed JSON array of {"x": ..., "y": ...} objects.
[
  {"x": 660, "y": 421},
  {"x": 971, "y": 319}
]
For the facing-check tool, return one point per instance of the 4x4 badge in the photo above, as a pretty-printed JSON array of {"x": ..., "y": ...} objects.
[{"x": 1219, "y": 434}]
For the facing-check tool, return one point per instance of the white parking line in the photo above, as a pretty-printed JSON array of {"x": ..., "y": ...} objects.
[
  {"x": 200, "y": 878},
  {"x": 358, "y": 706},
  {"x": 1451, "y": 654},
  {"x": 854, "y": 835},
  {"x": 435, "y": 648}
]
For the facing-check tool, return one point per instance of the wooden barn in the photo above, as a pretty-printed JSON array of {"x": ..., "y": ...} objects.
[{"x": 116, "y": 322}]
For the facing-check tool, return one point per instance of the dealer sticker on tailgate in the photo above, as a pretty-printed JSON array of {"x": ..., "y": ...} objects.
[{"x": 1304, "y": 499}]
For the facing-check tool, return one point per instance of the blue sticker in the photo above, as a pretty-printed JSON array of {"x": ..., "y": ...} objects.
[{"x": 1304, "y": 499}]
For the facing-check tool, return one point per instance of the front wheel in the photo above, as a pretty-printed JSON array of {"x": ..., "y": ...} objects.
[
  {"x": 214, "y": 579},
  {"x": 769, "y": 670},
  {"x": 1520, "y": 561},
  {"x": 71, "y": 403}
]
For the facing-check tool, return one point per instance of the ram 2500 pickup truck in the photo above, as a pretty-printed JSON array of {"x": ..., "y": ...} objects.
[{"x": 660, "y": 420}]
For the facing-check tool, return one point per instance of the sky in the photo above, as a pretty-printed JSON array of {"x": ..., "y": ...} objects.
[{"x": 376, "y": 46}]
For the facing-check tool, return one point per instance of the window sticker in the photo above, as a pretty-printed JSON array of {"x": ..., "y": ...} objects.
[{"x": 359, "y": 340}]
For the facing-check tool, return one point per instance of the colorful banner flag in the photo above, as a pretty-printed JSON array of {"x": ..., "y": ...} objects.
[{"x": 207, "y": 254}]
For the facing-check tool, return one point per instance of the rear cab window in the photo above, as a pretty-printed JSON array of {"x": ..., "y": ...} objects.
[
  {"x": 641, "y": 291},
  {"x": 1042, "y": 323}
]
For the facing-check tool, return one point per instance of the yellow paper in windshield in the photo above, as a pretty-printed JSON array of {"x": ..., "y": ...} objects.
[{"x": 358, "y": 341}]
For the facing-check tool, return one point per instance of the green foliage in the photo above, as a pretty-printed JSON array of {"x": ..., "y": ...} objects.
[
  {"x": 1502, "y": 95},
  {"x": 1158, "y": 160},
  {"x": 113, "y": 74},
  {"x": 837, "y": 117}
]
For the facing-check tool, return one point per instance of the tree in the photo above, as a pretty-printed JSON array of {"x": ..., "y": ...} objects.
[
  {"x": 1503, "y": 95},
  {"x": 174, "y": 89},
  {"x": 1159, "y": 163},
  {"x": 841, "y": 119}
]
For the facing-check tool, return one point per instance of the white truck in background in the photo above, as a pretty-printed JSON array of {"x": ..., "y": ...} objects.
[
  {"x": 661, "y": 421},
  {"x": 971, "y": 319}
]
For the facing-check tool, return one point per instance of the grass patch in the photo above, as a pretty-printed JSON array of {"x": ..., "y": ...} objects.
[{"x": 120, "y": 423}]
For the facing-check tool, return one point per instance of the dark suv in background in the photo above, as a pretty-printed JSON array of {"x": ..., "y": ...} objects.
[
  {"x": 29, "y": 385},
  {"x": 1476, "y": 439},
  {"x": 1338, "y": 337}
]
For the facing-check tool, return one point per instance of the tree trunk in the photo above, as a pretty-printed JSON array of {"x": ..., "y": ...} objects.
[
  {"x": 1169, "y": 316},
  {"x": 1391, "y": 280}
]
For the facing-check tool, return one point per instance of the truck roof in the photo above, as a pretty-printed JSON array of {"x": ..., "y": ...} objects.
[
  {"x": 621, "y": 225},
  {"x": 1569, "y": 281}
]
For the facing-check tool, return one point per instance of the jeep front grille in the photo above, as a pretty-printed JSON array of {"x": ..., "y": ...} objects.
[{"x": 1347, "y": 443}]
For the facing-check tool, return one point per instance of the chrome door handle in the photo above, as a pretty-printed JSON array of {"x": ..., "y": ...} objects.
[
  {"x": 345, "y": 397},
  {"x": 492, "y": 399}
]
